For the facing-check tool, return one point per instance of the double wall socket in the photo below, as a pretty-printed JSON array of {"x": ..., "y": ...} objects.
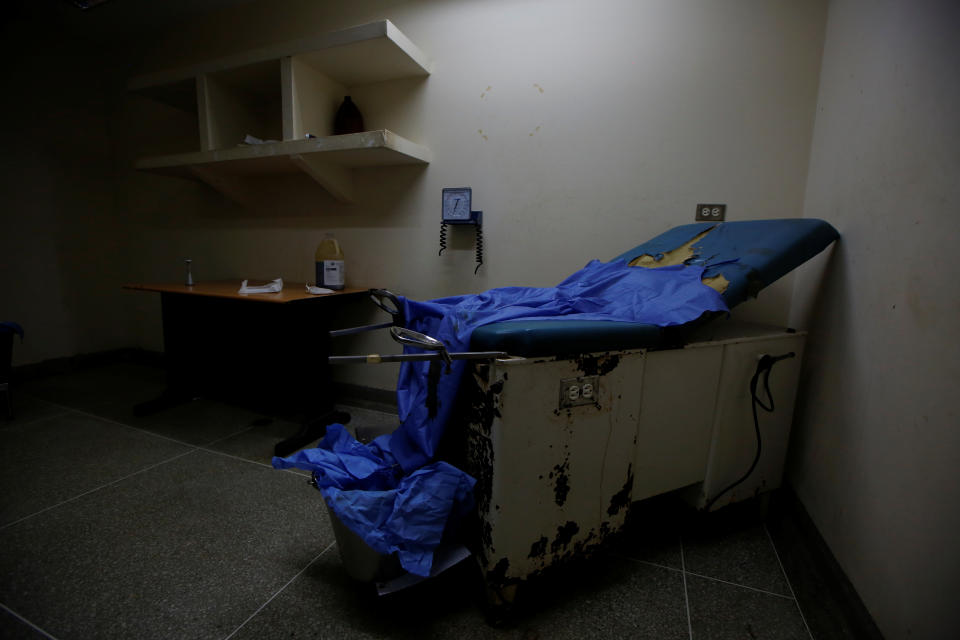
[
  {"x": 711, "y": 212},
  {"x": 578, "y": 391}
]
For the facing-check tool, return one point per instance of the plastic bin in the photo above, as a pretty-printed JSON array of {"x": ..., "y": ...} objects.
[{"x": 361, "y": 562}]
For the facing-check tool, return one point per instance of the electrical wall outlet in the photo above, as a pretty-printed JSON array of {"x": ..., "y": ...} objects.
[
  {"x": 578, "y": 391},
  {"x": 711, "y": 212}
]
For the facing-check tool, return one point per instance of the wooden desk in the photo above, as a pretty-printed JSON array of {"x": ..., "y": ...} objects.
[
  {"x": 229, "y": 289},
  {"x": 266, "y": 350}
]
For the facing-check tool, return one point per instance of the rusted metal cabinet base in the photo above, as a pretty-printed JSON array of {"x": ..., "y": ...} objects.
[
  {"x": 560, "y": 447},
  {"x": 552, "y": 482}
]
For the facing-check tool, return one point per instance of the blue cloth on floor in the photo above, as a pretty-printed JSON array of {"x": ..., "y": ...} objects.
[{"x": 388, "y": 492}]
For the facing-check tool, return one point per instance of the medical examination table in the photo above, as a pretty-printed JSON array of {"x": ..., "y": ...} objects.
[{"x": 582, "y": 418}]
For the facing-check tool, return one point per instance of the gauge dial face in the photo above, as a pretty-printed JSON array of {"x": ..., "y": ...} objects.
[{"x": 456, "y": 204}]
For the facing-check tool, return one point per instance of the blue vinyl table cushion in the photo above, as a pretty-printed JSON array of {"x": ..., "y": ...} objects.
[{"x": 750, "y": 254}]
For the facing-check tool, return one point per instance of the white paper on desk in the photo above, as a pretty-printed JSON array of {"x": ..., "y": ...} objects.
[
  {"x": 318, "y": 290},
  {"x": 275, "y": 286}
]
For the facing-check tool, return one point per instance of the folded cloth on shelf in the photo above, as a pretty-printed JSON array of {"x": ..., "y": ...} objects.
[{"x": 390, "y": 492}]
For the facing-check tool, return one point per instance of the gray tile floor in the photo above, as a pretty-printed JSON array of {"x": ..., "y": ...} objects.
[{"x": 175, "y": 526}]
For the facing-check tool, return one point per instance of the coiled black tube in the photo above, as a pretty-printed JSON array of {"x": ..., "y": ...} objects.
[
  {"x": 479, "y": 248},
  {"x": 443, "y": 238}
]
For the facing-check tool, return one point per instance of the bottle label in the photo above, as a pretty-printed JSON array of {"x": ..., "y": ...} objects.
[{"x": 333, "y": 276}]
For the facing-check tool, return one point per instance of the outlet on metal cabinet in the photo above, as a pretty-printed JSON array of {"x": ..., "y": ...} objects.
[{"x": 579, "y": 391}]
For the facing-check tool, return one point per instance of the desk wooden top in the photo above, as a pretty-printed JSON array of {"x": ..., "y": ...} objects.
[{"x": 292, "y": 291}]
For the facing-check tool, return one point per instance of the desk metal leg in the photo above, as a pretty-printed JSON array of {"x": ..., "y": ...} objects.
[
  {"x": 273, "y": 357},
  {"x": 307, "y": 335},
  {"x": 167, "y": 400},
  {"x": 310, "y": 431},
  {"x": 178, "y": 347}
]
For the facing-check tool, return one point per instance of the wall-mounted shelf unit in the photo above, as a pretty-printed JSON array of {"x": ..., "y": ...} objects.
[{"x": 282, "y": 93}]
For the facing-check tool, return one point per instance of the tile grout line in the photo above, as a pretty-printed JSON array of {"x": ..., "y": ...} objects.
[
  {"x": 19, "y": 617},
  {"x": 95, "y": 489},
  {"x": 742, "y": 586},
  {"x": 705, "y": 577},
  {"x": 787, "y": 579},
  {"x": 36, "y": 420},
  {"x": 281, "y": 590},
  {"x": 261, "y": 464},
  {"x": 128, "y": 426},
  {"x": 686, "y": 595},
  {"x": 647, "y": 562},
  {"x": 202, "y": 447},
  {"x": 226, "y": 437}
]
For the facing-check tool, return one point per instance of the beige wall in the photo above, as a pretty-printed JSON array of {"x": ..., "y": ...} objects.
[
  {"x": 646, "y": 109},
  {"x": 62, "y": 239},
  {"x": 876, "y": 451}
]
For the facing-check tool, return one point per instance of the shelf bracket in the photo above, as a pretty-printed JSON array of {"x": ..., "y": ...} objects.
[
  {"x": 338, "y": 181},
  {"x": 230, "y": 186}
]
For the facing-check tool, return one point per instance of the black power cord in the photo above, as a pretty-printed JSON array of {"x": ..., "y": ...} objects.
[
  {"x": 479, "y": 243},
  {"x": 443, "y": 238},
  {"x": 765, "y": 366},
  {"x": 479, "y": 254}
]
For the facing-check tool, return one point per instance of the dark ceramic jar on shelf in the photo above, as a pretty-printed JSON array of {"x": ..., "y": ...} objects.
[{"x": 348, "y": 118}]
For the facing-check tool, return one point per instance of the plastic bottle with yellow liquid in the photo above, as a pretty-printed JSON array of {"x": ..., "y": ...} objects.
[{"x": 329, "y": 264}]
